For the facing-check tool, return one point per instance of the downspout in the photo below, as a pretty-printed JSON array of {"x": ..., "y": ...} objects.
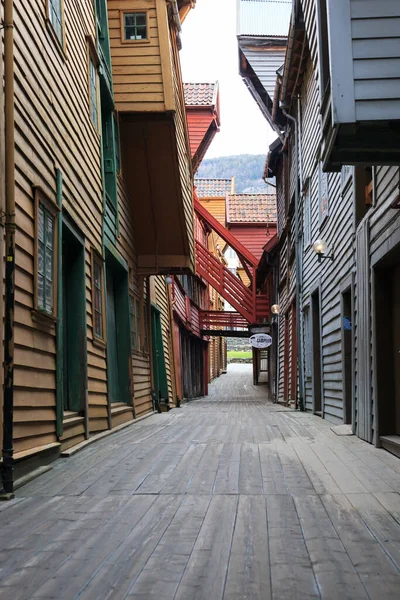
[
  {"x": 177, "y": 21},
  {"x": 298, "y": 263},
  {"x": 8, "y": 406}
]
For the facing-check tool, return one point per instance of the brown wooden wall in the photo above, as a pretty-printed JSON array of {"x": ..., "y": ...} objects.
[
  {"x": 163, "y": 303},
  {"x": 52, "y": 119}
]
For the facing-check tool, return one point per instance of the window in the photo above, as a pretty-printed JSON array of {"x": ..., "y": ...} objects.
[
  {"x": 146, "y": 330},
  {"x": 93, "y": 93},
  {"x": 56, "y": 18},
  {"x": 135, "y": 323},
  {"x": 132, "y": 320},
  {"x": 134, "y": 26},
  {"x": 307, "y": 218},
  {"x": 45, "y": 252},
  {"x": 138, "y": 327},
  {"x": 364, "y": 182},
  {"x": 98, "y": 297},
  {"x": 323, "y": 195},
  {"x": 307, "y": 343},
  {"x": 346, "y": 174}
]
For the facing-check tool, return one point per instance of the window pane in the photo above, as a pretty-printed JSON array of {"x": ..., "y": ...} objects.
[
  {"x": 93, "y": 93},
  {"x": 135, "y": 26},
  {"x": 41, "y": 292},
  {"x": 55, "y": 14},
  {"x": 45, "y": 260},
  {"x": 41, "y": 224}
]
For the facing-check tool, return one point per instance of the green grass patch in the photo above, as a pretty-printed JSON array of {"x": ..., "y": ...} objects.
[{"x": 239, "y": 354}]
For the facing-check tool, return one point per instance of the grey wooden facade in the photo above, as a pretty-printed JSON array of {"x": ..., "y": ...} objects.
[{"x": 349, "y": 307}]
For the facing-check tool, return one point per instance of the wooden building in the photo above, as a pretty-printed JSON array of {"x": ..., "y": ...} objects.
[
  {"x": 338, "y": 182},
  {"x": 107, "y": 73}
]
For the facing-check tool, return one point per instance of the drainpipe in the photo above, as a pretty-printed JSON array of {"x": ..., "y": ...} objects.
[
  {"x": 8, "y": 450},
  {"x": 177, "y": 21},
  {"x": 298, "y": 263}
]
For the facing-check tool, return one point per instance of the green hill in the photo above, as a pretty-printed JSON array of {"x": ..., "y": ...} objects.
[{"x": 247, "y": 169}]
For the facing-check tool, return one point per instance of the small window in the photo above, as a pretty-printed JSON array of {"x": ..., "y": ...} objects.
[
  {"x": 134, "y": 26},
  {"x": 98, "y": 297},
  {"x": 56, "y": 18},
  {"x": 323, "y": 195},
  {"x": 135, "y": 323},
  {"x": 364, "y": 182},
  {"x": 138, "y": 327},
  {"x": 346, "y": 175},
  {"x": 146, "y": 330},
  {"x": 93, "y": 93},
  {"x": 45, "y": 253},
  {"x": 307, "y": 218}
]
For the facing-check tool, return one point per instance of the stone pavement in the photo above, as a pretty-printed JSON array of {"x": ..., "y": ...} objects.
[{"x": 230, "y": 497}]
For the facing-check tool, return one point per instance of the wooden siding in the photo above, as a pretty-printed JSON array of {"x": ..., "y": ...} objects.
[
  {"x": 183, "y": 150},
  {"x": 52, "y": 117},
  {"x": 375, "y": 33},
  {"x": 138, "y": 75},
  {"x": 199, "y": 121},
  {"x": 217, "y": 208},
  {"x": 163, "y": 304},
  {"x": 253, "y": 238}
]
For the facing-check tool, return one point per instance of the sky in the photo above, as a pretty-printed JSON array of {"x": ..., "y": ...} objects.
[{"x": 210, "y": 53}]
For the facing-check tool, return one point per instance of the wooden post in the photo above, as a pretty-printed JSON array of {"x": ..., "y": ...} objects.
[
  {"x": 8, "y": 405},
  {"x": 60, "y": 320}
]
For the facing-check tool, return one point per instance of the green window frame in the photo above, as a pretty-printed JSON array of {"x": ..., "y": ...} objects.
[
  {"x": 45, "y": 260},
  {"x": 132, "y": 321},
  {"x": 93, "y": 92},
  {"x": 134, "y": 26},
  {"x": 145, "y": 329},
  {"x": 55, "y": 14},
  {"x": 138, "y": 327},
  {"x": 98, "y": 297}
]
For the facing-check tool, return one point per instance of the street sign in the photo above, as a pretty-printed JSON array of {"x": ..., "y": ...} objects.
[{"x": 261, "y": 340}]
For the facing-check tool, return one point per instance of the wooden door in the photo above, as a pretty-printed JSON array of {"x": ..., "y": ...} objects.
[
  {"x": 396, "y": 346},
  {"x": 293, "y": 362},
  {"x": 159, "y": 367},
  {"x": 347, "y": 355},
  {"x": 286, "y": 361},
  {"x": 112, "y": 347},
  {"x": 316, "y": 353}
]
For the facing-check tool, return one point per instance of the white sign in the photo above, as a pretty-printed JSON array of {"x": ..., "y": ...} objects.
[{"x": 261, "y": 340}]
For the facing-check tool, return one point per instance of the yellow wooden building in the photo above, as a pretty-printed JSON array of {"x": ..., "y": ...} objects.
[{"x": 103, "y": 187}]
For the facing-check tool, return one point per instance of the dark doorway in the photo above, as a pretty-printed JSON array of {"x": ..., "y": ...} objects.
[
  {"x": 192, "y": 361},
  {"x": 118, "y": 332},
  {"x": 387, "y": 344},
  {"x": 347, "y": 355},
  {"x": 316, "y": 350},
  {"x": 74, "y": 320},
  {"x": 159, "y": 367}
]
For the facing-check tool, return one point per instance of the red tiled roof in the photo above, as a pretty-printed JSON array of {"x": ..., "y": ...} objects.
[
  {"x": 251, "y": 208},
  {"x": 200, "y": 94},
  {"x": 213, "y": 188}
]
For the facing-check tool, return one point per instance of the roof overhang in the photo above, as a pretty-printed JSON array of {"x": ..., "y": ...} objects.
[{"x": 273, "y": 159}]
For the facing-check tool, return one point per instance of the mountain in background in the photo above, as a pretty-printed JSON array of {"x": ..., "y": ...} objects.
[{"x": 247, "y": 169}]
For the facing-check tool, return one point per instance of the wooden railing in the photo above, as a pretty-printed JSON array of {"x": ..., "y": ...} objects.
[{"x": 225, "y": 283}]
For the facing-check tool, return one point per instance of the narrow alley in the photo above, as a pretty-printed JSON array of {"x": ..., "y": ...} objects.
[{"x": 229, "y": 497}]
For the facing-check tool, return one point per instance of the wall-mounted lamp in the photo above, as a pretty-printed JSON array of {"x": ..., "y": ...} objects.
[
  {"x": 276, "y": 309},
  {"x": 168, "y": 279},
  {"x": 320, "y": 248}
]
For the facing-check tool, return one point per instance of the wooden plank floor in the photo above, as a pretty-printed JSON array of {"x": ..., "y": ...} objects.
[{"x": 228, "y": 498}]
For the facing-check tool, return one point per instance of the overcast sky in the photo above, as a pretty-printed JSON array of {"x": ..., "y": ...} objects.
[{"x": 210, "y": 53}]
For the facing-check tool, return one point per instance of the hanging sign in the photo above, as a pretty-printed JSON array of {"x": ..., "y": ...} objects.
[{"x": 261, "y": 340}]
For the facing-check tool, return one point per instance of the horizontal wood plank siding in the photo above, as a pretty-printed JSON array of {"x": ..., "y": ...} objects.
[
  {"x": 137, "y": 67},
  {"x": 375, "y": 31}
]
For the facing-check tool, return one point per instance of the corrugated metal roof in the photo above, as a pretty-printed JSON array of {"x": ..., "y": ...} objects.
[{"x": 264, "y": 17}]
